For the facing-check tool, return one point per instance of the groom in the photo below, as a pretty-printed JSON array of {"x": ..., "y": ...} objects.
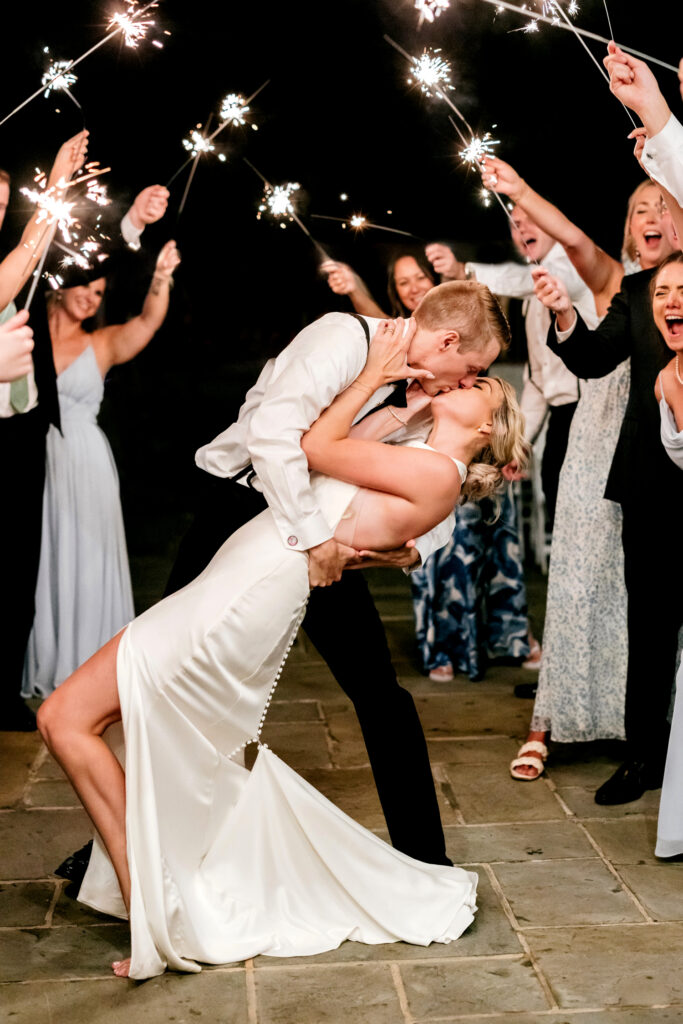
[{"x": 258, "y": 461}]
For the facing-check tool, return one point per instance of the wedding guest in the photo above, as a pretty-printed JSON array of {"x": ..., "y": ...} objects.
[
  {"x": 469, "y": 601},
  {"x": 583, "y": 676},
  {"x": 667, "y": 303},
  {"x": 83, "y": 591},
  {"x": 653, "y": 617},
  {"x": 551, "y": 392},
  {"x": 28, "y": 405}
]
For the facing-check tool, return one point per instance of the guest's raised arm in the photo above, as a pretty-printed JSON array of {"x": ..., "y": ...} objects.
[
  {"x": 632, "y": 82},
  {"x": 343, "y": 280},
  {"x": 121, "y": 342},
  {"x": 148, "y": 207},
  {"x": 600, "y": 271},
  {"x": 19, "y": 264}
]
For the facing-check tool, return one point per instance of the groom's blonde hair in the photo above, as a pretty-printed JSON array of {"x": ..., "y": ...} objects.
[{"x": 468, "y": 307}]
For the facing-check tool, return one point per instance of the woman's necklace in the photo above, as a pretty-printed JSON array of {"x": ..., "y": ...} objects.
[{"x": 677, "y": 371}]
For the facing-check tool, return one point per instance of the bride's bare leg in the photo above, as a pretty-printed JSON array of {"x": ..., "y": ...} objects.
[{"x": 72, "y": 722}]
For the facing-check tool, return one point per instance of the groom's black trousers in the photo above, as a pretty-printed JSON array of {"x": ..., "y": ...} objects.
[{"x": 344, "y": 625}]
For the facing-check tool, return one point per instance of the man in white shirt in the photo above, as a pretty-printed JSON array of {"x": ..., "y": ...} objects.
[
  {"x": 460, "y": 331},
  {"x": 550, "y": 391}
]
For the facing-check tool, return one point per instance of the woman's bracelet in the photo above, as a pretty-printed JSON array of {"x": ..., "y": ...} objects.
[
  {"x": 363, "y": 387},
  {"x": 168, "y": 278}
]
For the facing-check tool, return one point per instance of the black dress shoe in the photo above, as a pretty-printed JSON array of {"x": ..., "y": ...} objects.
[
  {"x": 74, "y": 868},
  {"x": 18, "y": 717},
  {"x": 527, "y": 691},
  {"x": 628, "y": 783}
]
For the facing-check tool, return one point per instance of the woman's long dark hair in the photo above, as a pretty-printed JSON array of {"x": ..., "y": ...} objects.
[{"x": 397, "y": 307}]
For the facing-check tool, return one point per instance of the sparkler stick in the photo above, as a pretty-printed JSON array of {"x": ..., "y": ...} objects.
[
  {"x": 38, "y": 273},
  {"x": 475, "y": 148},
  {"x": 120, "y": 27},
  {"x": 579, "y": 31},
  {"x": 245, "y": 105},
  {"x": 291, "y": 212},
  {"x": 363, "y": 223}
]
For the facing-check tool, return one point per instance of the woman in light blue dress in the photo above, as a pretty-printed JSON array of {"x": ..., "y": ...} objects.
[
  {"x": 668, "y": 313},
  {"x": 83, "y": 593}
]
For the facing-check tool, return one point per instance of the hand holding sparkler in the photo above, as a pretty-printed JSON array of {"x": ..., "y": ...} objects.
[
  {"x": 636, "y": 87},
  {"x": 16, "y": 345},
  {"x": 444, "y": 262},
  {"x": 70, "y": 158},
  {"x": 167, "y": 261},
  {"x": 552, "y": 292},
  {"x": 149, "y": 206},
  {"x": 501, "y": 177},
  {"x": 343, "y": 280}
]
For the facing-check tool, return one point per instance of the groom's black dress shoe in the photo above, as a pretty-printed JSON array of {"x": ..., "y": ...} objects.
[
  {"x": 628, "y": 783},
  {"x": 74, "y": 868}
]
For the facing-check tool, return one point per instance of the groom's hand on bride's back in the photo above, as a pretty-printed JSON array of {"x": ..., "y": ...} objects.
[{"x": 327, "y": 561}]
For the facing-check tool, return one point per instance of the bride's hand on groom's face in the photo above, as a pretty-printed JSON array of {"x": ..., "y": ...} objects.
[{"x": 388, "y": 354}]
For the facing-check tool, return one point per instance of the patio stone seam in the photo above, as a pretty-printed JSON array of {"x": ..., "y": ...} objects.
[
  {"x": 514, "y": 1014},
  {"x": 553, "y": 789},
  {"x": 608, "y": 864},
  {"x": 521, "y": 938},
  {"x": 250, "y": 983},
  {"x": 32, "y": 775},
  {"x": 447, "y": 791},
  {"x": 53, "y": 927},
  {"x": 482, "y": 739},
  {"x": 601, "y": 925},
  {"x": 427, "y": 961},
  {"x": 53, "y": 902},
  {"x": 109, "y": 976},
  {"x": 331, "y": 743},
  {"x": 397, "y": 979}
]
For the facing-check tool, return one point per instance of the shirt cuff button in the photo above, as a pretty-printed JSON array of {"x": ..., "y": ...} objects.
[{"x": 292, "y": 541}]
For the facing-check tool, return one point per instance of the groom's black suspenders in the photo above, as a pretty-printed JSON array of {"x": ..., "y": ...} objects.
[{"x": 248, "y": 474}]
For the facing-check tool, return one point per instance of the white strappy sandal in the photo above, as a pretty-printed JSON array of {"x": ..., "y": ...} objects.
[{"x": 534, "y": 754}]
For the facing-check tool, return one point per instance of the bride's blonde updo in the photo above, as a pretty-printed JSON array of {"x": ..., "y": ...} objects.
[{"x": 506, "y": 444}]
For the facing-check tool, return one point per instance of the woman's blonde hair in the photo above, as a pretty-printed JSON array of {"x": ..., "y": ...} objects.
[
  {"x": 628, "y": 248},
  {"x": 506, "y": 444}
]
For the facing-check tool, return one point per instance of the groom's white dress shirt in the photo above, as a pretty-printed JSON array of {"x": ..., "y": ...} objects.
[
  {"x": 547, "y": 381},
  {"x": 663, "y": 158},
  {"x": 289, "y": 395}
]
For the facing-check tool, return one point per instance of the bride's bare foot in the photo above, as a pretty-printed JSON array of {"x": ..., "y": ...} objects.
[
  {"x": 121, "y": 968},
  {"x": 530, "y": 760}
]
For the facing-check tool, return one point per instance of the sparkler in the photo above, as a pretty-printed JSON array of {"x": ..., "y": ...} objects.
[
  {"x": 232, "y": 111},
  {"x": 58, "y": 77},
  {"x": 130, "y": 23},
  {"x": 478, "y": 148},
  {"x": 359, "y": 223},
  {"x": 503, "y": 5},
  {"x": 122, "y": 23},
  {"x": 430, "y": 72},
  {"x": 58, "y": 214},
  {"x": 429, "y": 10},
  {"x": 277, "y": 201}
]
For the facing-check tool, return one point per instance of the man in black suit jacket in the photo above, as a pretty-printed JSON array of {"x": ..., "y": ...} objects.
[{"x": 649, "y": 488}]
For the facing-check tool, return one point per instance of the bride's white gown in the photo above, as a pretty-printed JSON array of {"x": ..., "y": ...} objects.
[{"x": 225, "y": 863}]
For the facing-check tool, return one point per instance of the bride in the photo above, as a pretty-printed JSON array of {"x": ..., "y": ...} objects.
[{"x": 210, "y": 862}]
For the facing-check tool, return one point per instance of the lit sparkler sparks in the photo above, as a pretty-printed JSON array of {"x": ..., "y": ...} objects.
[
  {"x": 197, "y": 144},
  {"x": 277, "y": 201},
  {"x": 96, "y": 192},
  {"x": 233, "y": 109},
  {"x": 431, "y": 73},
  {"x": 429, "y": 10},
  {"x": 478, "y": 148},
  {"x": 58, "y": 77},
  {"x": 129, "y": 22},
  {"x": 53, "y": 208},
  {"x": 358, "y": 221}
]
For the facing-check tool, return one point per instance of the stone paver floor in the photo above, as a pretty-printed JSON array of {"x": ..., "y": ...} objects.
[{"x": 578, "y": 922}]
